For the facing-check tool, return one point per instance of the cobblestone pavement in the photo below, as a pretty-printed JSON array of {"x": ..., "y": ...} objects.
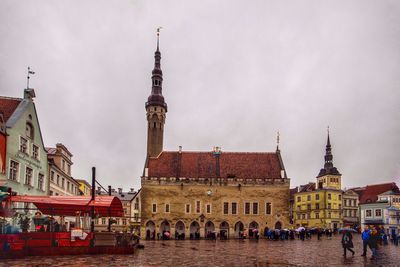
[{"x": 228, "y": 253}]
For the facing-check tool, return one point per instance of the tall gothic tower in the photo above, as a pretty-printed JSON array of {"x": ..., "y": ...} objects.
[
  {"x": 329, "y": 176},
  {"x": 156, "y": 108}
]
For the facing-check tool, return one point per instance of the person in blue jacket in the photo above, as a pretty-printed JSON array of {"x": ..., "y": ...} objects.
[{"x": 365, "y": 237}]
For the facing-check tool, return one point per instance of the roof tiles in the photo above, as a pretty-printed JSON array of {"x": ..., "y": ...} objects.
[
  {"x": 371, "y": 192},
  {"x": 8, "y": 105},
  {"x": 245, "y": 165}
]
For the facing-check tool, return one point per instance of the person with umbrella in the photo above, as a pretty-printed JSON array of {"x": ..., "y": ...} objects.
[{"x": 347, "y": 241}]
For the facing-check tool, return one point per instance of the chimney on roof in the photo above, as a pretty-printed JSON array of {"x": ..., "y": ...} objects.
[
  {"x": 132, "y": 190},
  {"x": 112, "y": 190},
  {"x": 119, "y": 190},
  {"x": 180, "y": 149}
]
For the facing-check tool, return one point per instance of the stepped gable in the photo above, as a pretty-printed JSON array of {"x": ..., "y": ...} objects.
[
  {"x": 242, "y": 165},
  {"x": 8, "y": 105},
  {"x": 371, "y": 192}
]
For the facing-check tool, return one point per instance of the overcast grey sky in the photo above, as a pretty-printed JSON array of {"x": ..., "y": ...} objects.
[{"x": 235, "y": 72}]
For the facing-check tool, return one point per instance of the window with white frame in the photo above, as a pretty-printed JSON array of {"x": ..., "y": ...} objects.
[
  {"x": 234, "y": 208},
  {"x": 378, "y": 213},
  {"x": 23, "y": 145},
  {"x": 247, "y": 208},
  {"x": 187, "y": 208},
  {"x": 28, "y": 176},
  {"x": 103, "y": 220},
  {"x": 368, "y": 213},
  {"x": 136, "y": 207},
  {"x": 14, "y": 171},
  {"x": 208, "y": 208},
  {"x": 255, "y": 208},
  {"x": 35, "y": 152},
  {"x": 167, "y": 208},
  {"x": 198, "y": 209},
  {"x": 268, "y": 208},
  {"x": 226, "y": 208},
  {"x": 41, "y": 181},
  {"x": 154, "y": 208}
]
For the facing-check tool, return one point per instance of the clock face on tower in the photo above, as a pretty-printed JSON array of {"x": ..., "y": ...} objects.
[{"x": 209, "y": 192}]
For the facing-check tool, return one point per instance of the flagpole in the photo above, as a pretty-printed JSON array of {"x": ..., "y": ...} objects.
[
  {"x": 27, "y": 82},
  {"x": 28, "y": 77}
]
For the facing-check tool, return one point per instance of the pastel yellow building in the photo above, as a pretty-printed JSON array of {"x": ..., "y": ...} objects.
[
  {"x": 320, "y": 204},
  {"x": 84, "y": 187}
]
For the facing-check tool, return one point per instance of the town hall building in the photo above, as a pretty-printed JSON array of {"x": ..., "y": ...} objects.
[{"x": 190, "y": 194}]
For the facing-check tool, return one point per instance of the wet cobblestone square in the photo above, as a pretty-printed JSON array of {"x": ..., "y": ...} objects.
[{"x": 229, "y": 253}]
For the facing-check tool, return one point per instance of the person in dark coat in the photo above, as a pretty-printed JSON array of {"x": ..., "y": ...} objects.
[
  {"x": 373, "y": 243},
  {"x": 347, "y": 242}
]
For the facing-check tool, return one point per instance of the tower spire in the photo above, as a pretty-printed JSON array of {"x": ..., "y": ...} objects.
[
  {"x": 328, "y": 166},
  {"x": 277, "y": 141},
  {"x": 156, "y": 98},
  {"x": 328, "y": 153},
  {"x": 156, "y": 108}
]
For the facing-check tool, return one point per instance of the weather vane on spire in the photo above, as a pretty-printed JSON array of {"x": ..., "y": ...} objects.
[
  {"x": 158, "y": 36},
  {"x": 29, "y": 73}
]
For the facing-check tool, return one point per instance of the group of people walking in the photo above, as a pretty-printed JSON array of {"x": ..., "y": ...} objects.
[{"x": 371, "y": 239}]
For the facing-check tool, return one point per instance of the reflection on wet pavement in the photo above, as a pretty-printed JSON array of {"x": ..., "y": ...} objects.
[{"x": 228, "y": 253}]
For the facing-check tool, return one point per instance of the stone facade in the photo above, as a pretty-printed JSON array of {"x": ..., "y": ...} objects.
[
  {"x": 155, "y": 124},
  {"x": 350, "y": 209},
  {"x": 61, "y": 181},
  {"x": 187, "y": 203}
]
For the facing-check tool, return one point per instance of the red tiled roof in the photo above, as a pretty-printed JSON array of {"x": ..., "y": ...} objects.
[
  {"x": 51, "y": 150},
  {"x": 307, "y": 187},
  {"x": 243, "y": 165},
  {"x": 371, "y": 192},
  {"x": 8, "y": 105}
]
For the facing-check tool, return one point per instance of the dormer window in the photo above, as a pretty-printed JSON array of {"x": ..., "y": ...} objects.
[{"x": 29, "y": 130}]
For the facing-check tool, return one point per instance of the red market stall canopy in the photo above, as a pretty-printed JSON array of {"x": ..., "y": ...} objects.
[{"x": 104, "y": 206}]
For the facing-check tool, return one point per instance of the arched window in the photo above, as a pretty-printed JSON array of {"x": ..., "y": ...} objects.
[{"x": 29, "y": 130}]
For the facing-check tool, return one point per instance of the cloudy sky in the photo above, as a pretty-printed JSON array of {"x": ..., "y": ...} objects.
[{"x": 235, "y": 72}]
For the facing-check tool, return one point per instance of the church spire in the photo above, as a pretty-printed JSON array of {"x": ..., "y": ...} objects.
[
  {"x": 328, "y": 153},
  {"x": 156, "y": 98},
  {"x": 156, "y": 108},
  {"x": 328, "y": 166}
]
